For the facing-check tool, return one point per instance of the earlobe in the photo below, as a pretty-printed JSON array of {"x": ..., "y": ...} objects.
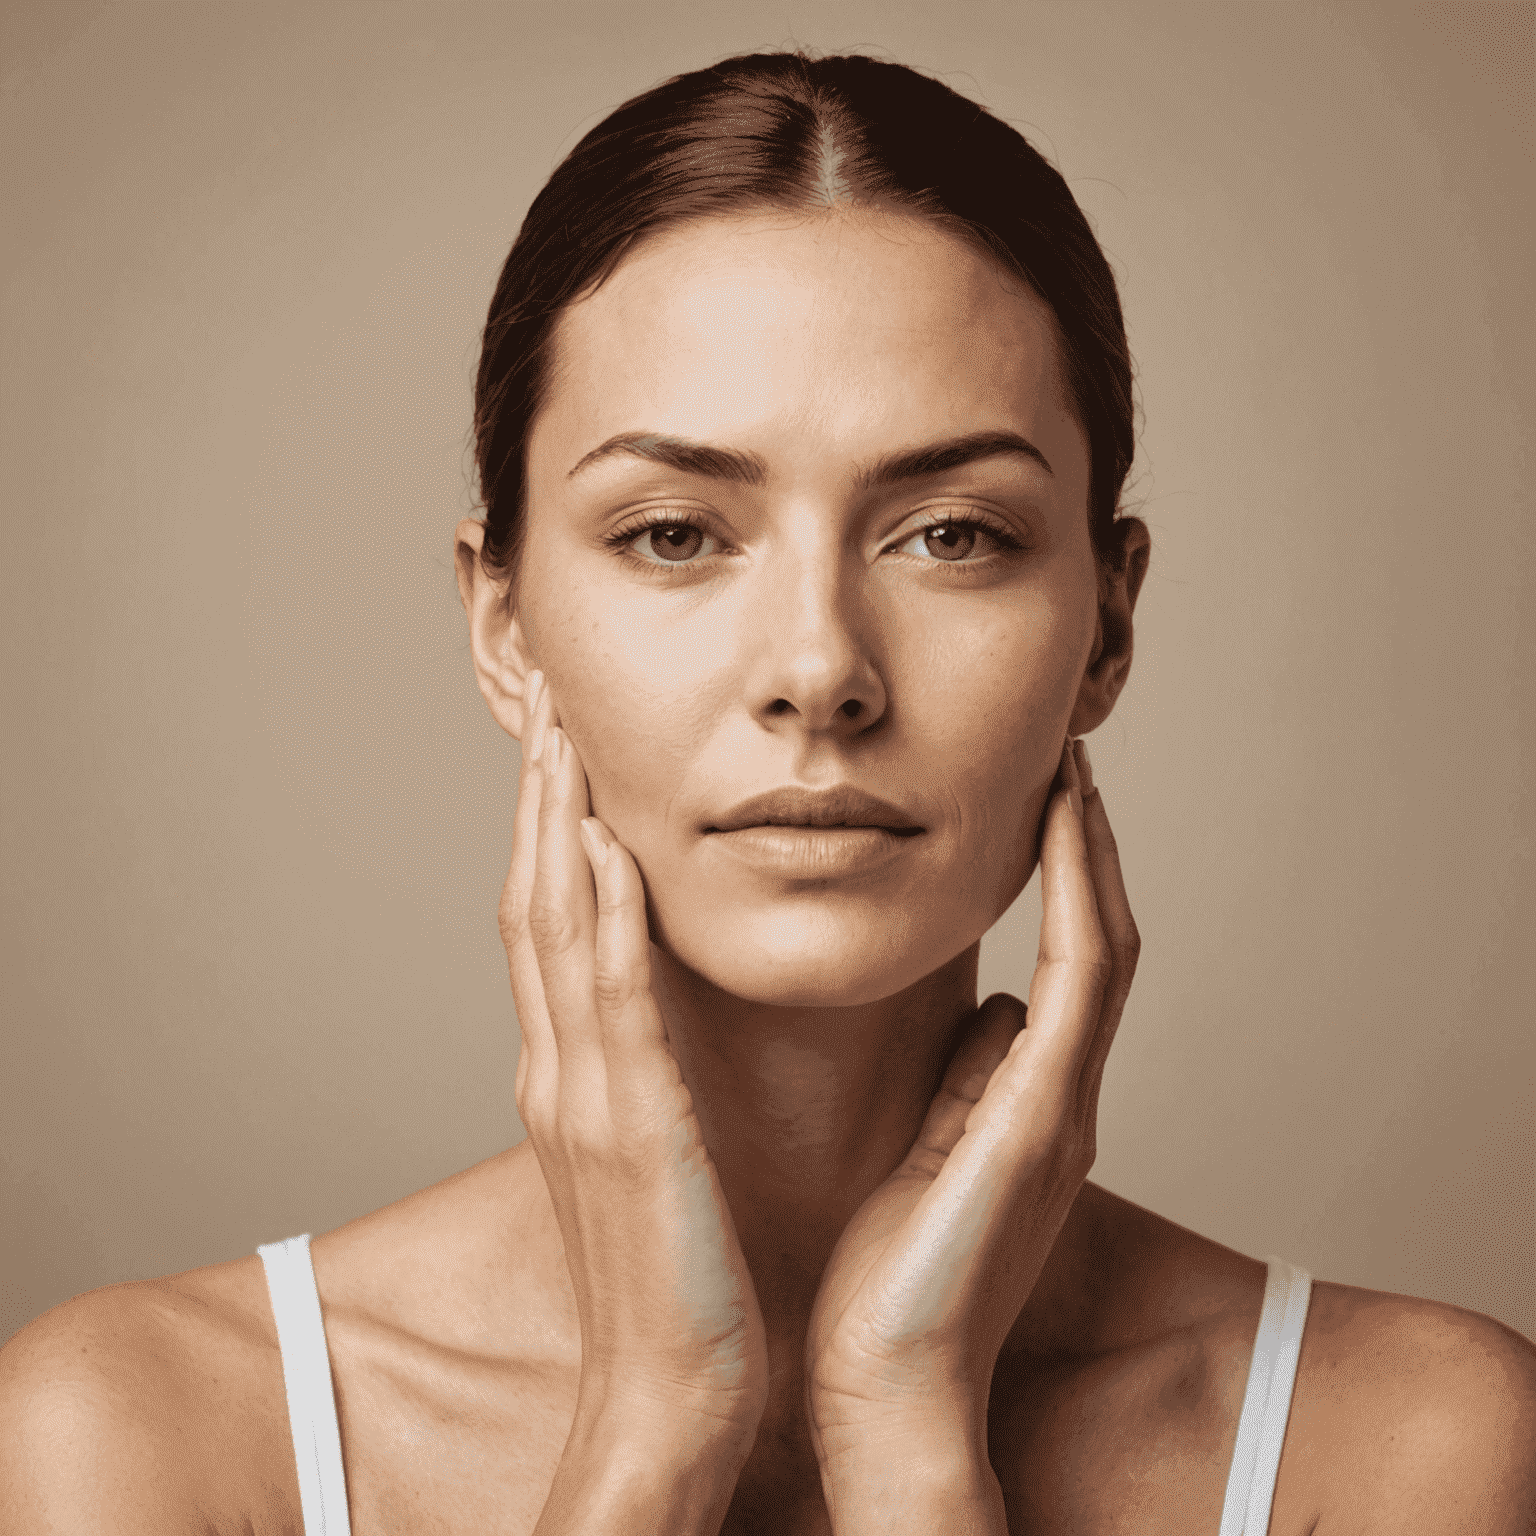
[
  {"x": 1109, "y": 665},
  {"x": 495, "y": 637}
]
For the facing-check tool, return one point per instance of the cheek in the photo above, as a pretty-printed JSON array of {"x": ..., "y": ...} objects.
[
  {"x": 636, "y": 704},
  {"x": 994, "y": 695},
  {"x": 993, "y": 704}
]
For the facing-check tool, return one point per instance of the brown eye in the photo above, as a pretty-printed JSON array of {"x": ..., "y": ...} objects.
[
  {"x": 949, "y": 541},
  {"x": 671, "y": 543},
  {"x": 965, "y": 541}
]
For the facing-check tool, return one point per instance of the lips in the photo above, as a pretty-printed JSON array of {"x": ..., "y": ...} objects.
[{"x": 794, "y": 806}]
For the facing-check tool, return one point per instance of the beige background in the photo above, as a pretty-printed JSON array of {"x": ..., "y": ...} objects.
[{"x": 256, "y": 816}]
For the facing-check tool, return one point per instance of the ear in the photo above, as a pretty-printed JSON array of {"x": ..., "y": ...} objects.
[
  {"x": 495, "y": 637},
  {"x": 1110, "y": 663}
]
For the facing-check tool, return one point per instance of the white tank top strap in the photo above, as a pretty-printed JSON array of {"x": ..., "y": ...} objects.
[
  {"x": 1267, "y": 1401},
  {"x": 307, "y": 1379}
]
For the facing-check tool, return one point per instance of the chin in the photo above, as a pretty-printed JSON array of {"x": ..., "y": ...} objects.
[{"x": 801, "y": 955}]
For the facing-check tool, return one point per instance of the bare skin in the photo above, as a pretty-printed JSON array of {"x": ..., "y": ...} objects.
[
  {"x": 456, "y": 1360},
  {"x": 722, "y": 1135}
]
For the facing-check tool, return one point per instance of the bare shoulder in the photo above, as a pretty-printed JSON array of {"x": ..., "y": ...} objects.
[
  {"x": 159, "y": 1405},
  {"x": 119, "y": 1409},
  {"x": 1414, "y": 1415},
  {"x": 1123, "y": 1396}
]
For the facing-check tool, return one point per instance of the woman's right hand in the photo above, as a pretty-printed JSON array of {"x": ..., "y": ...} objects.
[{"x": 671, "y": 1333}]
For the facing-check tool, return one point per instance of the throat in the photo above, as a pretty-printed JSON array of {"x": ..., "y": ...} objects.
[{"x": 807, "y": 1111}]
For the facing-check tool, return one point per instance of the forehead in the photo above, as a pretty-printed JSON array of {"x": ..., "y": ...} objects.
[{"x": 846, "y": 325}]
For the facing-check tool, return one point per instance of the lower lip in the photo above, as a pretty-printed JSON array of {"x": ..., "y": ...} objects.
[{"x": 814, "y": 853}]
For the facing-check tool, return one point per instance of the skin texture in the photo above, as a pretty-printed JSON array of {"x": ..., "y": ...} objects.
[{"x": 799, "y": 1239}]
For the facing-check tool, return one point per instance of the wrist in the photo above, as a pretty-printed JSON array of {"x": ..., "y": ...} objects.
[
  {"x": 625, "y": 1470},
  {"x": 943, "y": 1431},
  {"x": 914, "y": 1484},
  {"x": 692, "y": 1420}
]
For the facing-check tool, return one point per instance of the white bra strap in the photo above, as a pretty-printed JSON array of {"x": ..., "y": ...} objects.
[
  {"x": 307, "y": 1379},
  {"x": 1266, "y": 1401}
]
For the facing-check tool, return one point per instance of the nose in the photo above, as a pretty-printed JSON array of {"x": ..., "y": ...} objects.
[{"x": 815, "y": 662}]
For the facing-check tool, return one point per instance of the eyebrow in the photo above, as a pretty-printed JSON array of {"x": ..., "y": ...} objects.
[
  {"x": 714, "y": 463},
  {"x": 681, "y": 453},
  {"x": 935, "y": 458}
]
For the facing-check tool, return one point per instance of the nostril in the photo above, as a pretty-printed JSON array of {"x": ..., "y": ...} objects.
[
  {"x": 851, "y": 708},
  {"x": 781, "y": 707}
]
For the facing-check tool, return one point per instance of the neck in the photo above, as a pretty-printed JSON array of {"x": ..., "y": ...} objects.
[{"x": 806, "y": 1110}]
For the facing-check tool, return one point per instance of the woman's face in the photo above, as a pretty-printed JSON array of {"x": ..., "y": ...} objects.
[{"x": 807, "y": 519}]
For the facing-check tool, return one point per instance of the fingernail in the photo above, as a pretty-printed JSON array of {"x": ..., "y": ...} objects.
[
  {"x": 570, "y": 769},
  {"x": 597, "y": 849},
  {"x": 1084, "y": 768},
  {"x": 1069, "y": 773}
]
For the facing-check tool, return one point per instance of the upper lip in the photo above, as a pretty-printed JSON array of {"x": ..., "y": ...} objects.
[{"x": 795, "y": 806}]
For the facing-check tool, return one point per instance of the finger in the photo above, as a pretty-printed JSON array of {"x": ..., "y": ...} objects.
[
  {"x": 982, "y": 1049},
  {"x": 538, "y": 1048},
  {"x": 628, "y": 1016},
  {"x": 562, "y": 910},
  {"x": 1067, "y": 989},
  {"x": 1119, "y": 930}
]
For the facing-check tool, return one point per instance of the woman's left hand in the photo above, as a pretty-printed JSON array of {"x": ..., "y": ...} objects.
[{"x": 931, "y": 1273}]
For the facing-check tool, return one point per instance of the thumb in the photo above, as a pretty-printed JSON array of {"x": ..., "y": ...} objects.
[{"x": 983, "y": 1045}]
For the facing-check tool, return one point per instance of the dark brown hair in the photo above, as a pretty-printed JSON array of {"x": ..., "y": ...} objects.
[{"x": 786, "y": 130}]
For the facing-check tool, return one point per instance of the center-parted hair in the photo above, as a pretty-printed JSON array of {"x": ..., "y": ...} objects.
[{"x": 784, "y": 130}]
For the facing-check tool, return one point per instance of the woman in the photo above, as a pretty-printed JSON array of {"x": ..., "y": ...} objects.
[{"x": 802, "y": 420}]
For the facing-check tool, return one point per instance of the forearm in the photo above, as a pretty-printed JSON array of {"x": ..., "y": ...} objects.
[
  {"x": 927, "y": 1491},
  {"x": 622, "y": 1478}
]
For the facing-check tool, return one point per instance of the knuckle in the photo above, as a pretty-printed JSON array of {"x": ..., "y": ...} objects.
[
  {"x": 581, "y": 1141},
  {"x": 612, "y": 989},
  {"x": 511, "y": 920},
  {"x": 534, "y": 1108},
  {"x": 516, "y": 924},
  {"x": 551, "y": 929}
]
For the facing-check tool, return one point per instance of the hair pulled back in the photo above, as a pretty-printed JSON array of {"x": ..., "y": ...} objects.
[{"x": 787, "y": 130}]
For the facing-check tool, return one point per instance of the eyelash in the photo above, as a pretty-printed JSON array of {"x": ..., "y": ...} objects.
[
  {"x": 622, "y": 537},
  {"x": 996, "y": 529}
]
